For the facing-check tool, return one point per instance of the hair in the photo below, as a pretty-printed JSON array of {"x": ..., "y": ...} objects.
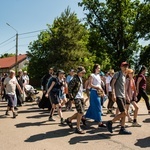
[
  {"x": 142, "y": 69},
  {"x": 95, "y": 67}
]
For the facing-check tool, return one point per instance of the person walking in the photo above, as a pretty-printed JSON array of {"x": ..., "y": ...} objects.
[
  {"x": 118, "y": 96},
  {"x": 141, "y": 87},
  {"x": 10, "y": 84},
  {"x": 95, "y": 110},
  {"x": 75, "y": 91},
  {"x": 54, "y": 92},
  {"x": 109, "y": 92},
  {"x": 131, "y": 97}
]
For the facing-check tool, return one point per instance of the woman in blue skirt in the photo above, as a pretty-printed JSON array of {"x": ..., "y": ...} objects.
[{"x": 94, "y": 111}]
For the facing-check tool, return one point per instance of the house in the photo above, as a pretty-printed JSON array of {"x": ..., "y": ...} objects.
[{"x": 9, "y": 63}]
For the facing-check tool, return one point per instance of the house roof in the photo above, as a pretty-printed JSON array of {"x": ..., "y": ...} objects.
[{"x": 9, "y": 62}]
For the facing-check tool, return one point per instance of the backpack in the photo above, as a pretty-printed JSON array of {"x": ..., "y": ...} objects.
[
  {"x": 116, "y": 78},
  {"x": 49, "y": 83}
]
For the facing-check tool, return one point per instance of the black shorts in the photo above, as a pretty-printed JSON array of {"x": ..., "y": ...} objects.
[
  {"x": 10, "y": 98},
  {"x": 79, "y": 104},
  {"x": 121, "y": 102},
  {"x": 54, "y": 98}
]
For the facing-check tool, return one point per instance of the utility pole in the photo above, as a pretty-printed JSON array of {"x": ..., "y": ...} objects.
[{"x": 16, "y": 55}]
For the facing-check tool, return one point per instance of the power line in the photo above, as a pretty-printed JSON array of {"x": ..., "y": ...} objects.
[
  {"x": 7, "y": 43},
  {"x": 9, "y": 49},
  {"x": 32, "y": 32},
  {"x": 7, "y": 40},
  {"x": 27, "y": 37}
]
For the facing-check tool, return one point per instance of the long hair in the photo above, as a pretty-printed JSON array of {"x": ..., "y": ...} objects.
[
  {"x": 141, "y": 70},
  {"x": 95, "y": 67}
]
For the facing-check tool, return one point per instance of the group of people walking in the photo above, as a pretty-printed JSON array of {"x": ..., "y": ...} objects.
[
  {"x": 121, "y": 88},
  {"x": 12, "y": 90}
]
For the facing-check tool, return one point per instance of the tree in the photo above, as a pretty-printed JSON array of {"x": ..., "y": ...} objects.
[
  {"x": 63, "y": 45},
  {"x": 7, "y": 55},
  {"x": 116, "y": 23}
]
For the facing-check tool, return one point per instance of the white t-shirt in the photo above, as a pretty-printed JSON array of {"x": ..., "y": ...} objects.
[
  {"x": 108, "y": 79},
  {"x": 10, "y": 84},
  {"x": 80, "y": 92},
  {"x": 96, "y": 80}
]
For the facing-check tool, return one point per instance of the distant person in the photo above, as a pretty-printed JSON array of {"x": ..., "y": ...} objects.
[
  {"x": 141, "y": 87},
  {"x": 10, "y": 84},
  {"x": 3, "y": 91},
  {"x": 26, "y": 78}
]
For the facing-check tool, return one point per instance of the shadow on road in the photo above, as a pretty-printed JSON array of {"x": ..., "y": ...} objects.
[
  {"x": 49, "y": 135},
  {"x": 147, "y": 120},
  {"x": 86, "y": 138},
  {"x": 28, "y": 124},
  {"x": 143, "y": 143}
]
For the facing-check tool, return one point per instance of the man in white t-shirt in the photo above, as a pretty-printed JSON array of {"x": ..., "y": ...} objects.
[
  {"x": 10, "y": 84},
  {"x": 109, "y": 91}
]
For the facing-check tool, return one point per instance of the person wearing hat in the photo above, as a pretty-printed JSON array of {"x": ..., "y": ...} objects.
[
  {"x": 75, "y": 91},
  {"x": 10, "y": 84},
  {"x": 131, "y": 97},
  {"x": 54, "y": 92},
  {"x": 118, "y": 96},
  {"x": 26, "y": 78}
]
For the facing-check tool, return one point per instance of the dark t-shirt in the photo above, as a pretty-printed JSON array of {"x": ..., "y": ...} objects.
[
  {"x": 58, "y": 84},
  {"x": 142, "y": 83}
]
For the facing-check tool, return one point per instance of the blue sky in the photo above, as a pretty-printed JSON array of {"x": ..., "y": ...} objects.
[
  {"x": 30, "y": 15},
  {"x": 27, "y": 16}
]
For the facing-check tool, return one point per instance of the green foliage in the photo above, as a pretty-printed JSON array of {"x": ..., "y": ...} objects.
[
  {"x": 7, "y": 55},
  {"x": 116, "y": 26},
  {"x": 63, "y": 45}
]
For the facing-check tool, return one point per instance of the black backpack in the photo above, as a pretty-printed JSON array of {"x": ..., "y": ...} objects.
[{"x": 116, "y": 78}]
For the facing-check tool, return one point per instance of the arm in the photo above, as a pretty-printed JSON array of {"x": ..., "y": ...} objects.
[
  {"x": 126, "y": 90},
  {"x": 50, "y": 88},
  {"x": 113, "y": 89},
  {"x": 71, "y": 86},
  {"x": 138, "y": 82}
]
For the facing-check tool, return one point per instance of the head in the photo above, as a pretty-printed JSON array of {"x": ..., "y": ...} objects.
[
  {"x": 25, "y": 72},
  {"x": 96, "y": 68},
  {"x": 20, "y": 72},
  {"x": 72, "y": 72},
  {"x": 111, "y": 72},
  {"x": 81, "y": 71},
  {"x": 51, "y": 70},
  {"x": 60, "y": 74},
  {"x": 130, "y": 73},
  {"x": 124, "y": 66},
  {"x": 11, "y": 73},
  {"x": 142, "y": 70}
]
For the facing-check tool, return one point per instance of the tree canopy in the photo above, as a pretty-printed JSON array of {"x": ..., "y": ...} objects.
[{"x": 63, "y": 45}]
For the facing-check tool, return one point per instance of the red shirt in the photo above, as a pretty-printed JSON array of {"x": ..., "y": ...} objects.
[{"x": 142, "y": 83}]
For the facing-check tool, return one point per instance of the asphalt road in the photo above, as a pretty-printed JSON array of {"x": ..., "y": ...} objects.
[{"x": 31, "y": 130}]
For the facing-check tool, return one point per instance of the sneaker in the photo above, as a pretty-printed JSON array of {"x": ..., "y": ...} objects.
[
  {"x": 80, "y": 131},
  {"x": 62, "y": 121},
  {"x": 110, "y": 112},
  {"x": 102, "y": 125},
  {"x": 124, "y": 131},
  {"x": 51, "y": 119},
  {"x": 109, "y": 126},
  {"x": 15, "y": 108},
  {"x": 135, "y": 124},
  {"x": 69, "y": 123}
]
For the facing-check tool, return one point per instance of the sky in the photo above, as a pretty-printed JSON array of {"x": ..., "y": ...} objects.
[
  {"x": 27, "y": 16},
  {"x": 30, "y": 15}
]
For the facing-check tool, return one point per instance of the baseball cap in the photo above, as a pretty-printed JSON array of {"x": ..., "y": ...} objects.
[
  {"x": 61, "y": 72},
  {"x": 81, "y": 69},
  {"x": 124, "y": 64}
]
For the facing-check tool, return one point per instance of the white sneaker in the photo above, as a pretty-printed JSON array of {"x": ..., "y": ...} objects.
[{"x": 135, "y": 124}]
